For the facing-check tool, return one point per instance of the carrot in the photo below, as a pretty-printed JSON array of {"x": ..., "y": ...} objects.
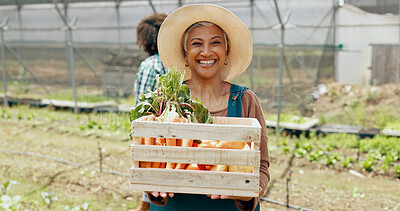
[
  {"x": 185, "y": 143},
  {"x": 178, "y": 142},
  {"x": 172, "y": 142},
  {"x": 148, "y": 141},
  {"x": 158, "y": 142}
]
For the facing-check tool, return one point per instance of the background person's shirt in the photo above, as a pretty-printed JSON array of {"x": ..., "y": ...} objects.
[{"x": 148, "y": 70}]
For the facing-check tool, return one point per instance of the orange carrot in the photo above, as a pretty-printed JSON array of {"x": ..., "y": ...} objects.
[
  {"x": 185, "y": 143},
  {"x": 148, "y": 141},
  {"x": 158, "y": 142},
  {"x": 171, "y": 142},
  {"x": 178, "y": 142}
]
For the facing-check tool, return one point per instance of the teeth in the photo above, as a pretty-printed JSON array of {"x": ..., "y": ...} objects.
[{"x": 207, "y": 62}]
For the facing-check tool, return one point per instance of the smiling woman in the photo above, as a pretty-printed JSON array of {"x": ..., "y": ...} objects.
[{"x": 212, "y": 46}]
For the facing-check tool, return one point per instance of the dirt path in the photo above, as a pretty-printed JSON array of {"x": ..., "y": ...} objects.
[{"x": 311, "y": 187}]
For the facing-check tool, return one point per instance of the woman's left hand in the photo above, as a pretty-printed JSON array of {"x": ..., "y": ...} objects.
[{"x": 214, "y": 196}]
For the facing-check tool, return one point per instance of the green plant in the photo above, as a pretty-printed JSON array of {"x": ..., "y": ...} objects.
[
  {"x": 368, "y": 165},
  {"x": 397, "y": 170},
  {"x": 5, "y": 114},
  {"x": 290, "y": 118},
  {"x": 332, "y": 159},
  {"x": 285, "y": 150},
  {"x": 347, "y": 162},
  {"x": 393, "y": 125},
  {"x": 49, "y": 198},
  {"x": 315, "y": 155},
  {"x": 7, "y": 202}
]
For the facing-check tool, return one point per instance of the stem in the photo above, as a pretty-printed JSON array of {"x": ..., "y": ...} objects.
[
  {"x": 188, "y": 105},
  {"x": 191, "y": 114},
  {"x": 157, "y": 113}
]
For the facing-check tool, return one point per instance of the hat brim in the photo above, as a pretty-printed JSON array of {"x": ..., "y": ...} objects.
[{"x": 171, "y": 35}]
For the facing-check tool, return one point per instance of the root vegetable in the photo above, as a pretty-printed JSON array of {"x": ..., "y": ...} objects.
[
  {"x": 184, "y": 143},
  {"x": 219, "y": 168}
]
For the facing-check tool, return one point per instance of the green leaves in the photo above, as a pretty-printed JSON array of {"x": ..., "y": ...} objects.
[{"x": 171, "y": 92}]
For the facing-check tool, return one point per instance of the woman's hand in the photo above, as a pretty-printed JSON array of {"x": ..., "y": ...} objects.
[
  {"x": 214, "y": 196},
  {"x": 162, "y": 194}
]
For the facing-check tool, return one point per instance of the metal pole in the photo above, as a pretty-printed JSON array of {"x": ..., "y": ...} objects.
[
  {"x": 152, "y": 6},
  {"x": 117, "y": 6},
  {"x": 3, "y": 61},
  {"x": 282, "y": 49},
  {"x": 252, "y": 33},
  {"x": 70, "y": 49},
  {"x": 21, "y": 38},
  {"x": 287, "y": 187},
  {"x": 71, "y": 63},
  {"x": 335, "y": 7}
]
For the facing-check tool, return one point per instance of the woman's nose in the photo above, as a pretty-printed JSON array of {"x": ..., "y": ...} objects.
[{"x": 206, "y": 51}]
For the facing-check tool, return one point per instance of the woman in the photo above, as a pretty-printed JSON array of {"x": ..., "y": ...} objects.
[{"x": 212, "y": 46}]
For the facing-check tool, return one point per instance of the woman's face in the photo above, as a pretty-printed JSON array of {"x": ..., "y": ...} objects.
[{"x": 206, "y": 51}]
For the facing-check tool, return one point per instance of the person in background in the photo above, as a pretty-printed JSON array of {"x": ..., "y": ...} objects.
[{"x": 147, "y": 33}]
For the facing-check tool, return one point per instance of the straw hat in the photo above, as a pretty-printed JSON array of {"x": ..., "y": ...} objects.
[{"x": 171, "y": 35}]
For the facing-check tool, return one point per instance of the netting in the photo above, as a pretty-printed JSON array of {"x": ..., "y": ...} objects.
[{"x": 106, "y": 57}]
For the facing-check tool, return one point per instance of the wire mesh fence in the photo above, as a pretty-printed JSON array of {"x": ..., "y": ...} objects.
[{"x": 106, "y": 58}]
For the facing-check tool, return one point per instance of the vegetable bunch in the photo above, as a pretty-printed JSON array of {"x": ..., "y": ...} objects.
[{"x": 171, "y": 95}]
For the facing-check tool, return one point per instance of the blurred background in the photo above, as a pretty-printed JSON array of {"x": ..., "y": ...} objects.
[
  {"x": 331, "y": 67},
  {"x": 324, "y": 41}
]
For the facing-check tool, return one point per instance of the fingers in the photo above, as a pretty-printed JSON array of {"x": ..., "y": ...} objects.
[
  {"x": 155, "y": 194},
  {"x": 227, "y": 197},
  {"x": 162, "y": 194},
  {"x": 214, "y": 196}
]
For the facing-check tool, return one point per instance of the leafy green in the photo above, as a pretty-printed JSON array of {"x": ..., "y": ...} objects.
[{"x": 171, "y": 95}]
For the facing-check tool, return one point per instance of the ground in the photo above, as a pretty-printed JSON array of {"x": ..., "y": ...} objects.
[{"x": 70, "y": 137}]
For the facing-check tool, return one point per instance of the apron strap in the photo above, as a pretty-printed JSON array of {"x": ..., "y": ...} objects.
[{"x": 235, "y": 100}]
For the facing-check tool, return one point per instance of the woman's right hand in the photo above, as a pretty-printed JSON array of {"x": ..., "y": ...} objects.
[{"x": 162, "y": 194}]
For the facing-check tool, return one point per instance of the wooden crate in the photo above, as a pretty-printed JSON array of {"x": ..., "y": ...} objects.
[{"x": 192, "y": 181}]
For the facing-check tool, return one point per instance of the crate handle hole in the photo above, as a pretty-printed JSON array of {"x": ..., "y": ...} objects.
[{"x": 247, "y": 181}]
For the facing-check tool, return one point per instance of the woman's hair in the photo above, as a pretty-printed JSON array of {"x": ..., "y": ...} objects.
[
  {"x": 199, "y": 24},
  {"x": 147, "y": 32}
]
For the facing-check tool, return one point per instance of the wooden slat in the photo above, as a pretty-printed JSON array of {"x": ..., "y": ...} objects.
[
  {"x": 194, "y": 190},
  {"x": 197, "y": 179},
  {"x": 385, "y": 64},
  {"x": 135, "y": 141},
  {"x": 233, "y": 121},
  {"x": 221, "y": 132},
  {"x": 195, "y": 155},
  {"x": 256, "y": 147}
]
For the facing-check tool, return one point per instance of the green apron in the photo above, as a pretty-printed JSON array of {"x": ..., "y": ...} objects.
[{"x": 197, "y": 202}]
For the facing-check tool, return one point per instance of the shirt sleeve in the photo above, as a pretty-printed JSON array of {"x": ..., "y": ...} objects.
[
  {"x": 251, "y": 108},
  {"x": 148, "y": 70}
]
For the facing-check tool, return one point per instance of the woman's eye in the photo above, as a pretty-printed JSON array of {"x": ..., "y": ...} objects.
[
  {"x": 196, "y": 43},
  {"x": 216, "y": 42}
]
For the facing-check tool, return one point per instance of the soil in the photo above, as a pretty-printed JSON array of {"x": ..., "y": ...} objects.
[
  {"x": 341, "y": 96},
  {"x": 311, "y": 186}
]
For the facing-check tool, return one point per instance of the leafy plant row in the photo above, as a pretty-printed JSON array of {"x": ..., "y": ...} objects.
[{"x": 380, "y": 154}]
